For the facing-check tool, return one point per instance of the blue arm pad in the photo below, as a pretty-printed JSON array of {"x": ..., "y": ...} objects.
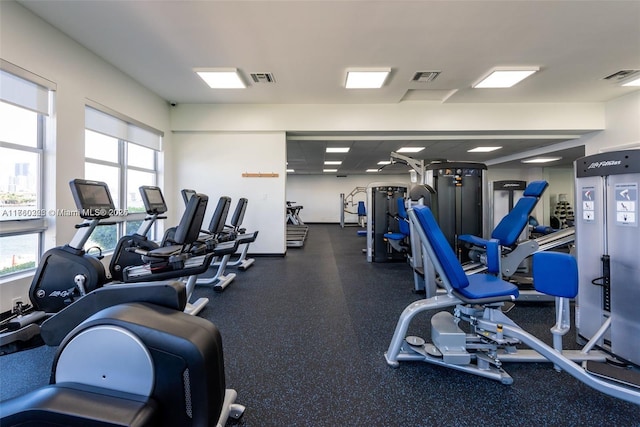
[
  {"x": 474, "y": 240},
  {"x": 556, "y": 274},
  {"x": 493, "y": 256}
]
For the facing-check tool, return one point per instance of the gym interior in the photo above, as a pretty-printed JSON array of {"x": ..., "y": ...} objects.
[{"x": 289, "y": 249}]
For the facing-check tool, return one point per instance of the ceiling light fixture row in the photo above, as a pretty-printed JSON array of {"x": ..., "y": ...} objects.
[
  {"x": 375, "y": 78},
  {"x": 408, "y": 149},
  {"x": 367, "y": 78}
]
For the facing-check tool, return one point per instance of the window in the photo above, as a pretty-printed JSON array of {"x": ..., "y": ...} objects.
[
  {"x": 25, "y": 102},
  {"x": 123, "y": 155}
]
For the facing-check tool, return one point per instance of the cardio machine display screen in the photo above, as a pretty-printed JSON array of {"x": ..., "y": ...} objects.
[
  {"x": 92, "y": 198},
  {"x": 153, "y": 200}
]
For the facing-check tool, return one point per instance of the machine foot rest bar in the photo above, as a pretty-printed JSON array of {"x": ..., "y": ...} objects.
[{"x": 614, "y": 373}]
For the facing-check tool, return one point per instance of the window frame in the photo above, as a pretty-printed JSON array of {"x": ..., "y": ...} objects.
[
  {"x": 30, "y": 92},
  {"x": 117, "y": 126}
]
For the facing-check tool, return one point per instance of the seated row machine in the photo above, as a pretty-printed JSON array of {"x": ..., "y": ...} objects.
[{"x": 477, "y": 299}]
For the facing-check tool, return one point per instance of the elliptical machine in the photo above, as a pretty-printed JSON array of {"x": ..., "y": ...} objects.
[{"x": 133, "y": 364}]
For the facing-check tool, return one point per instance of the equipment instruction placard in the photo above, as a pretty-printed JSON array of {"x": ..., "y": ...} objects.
[
  {"x": 626, "y": 196},
  {"x": 588, "y": 204}
]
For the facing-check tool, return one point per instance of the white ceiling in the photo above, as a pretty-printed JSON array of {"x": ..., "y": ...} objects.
[{"x": 309, "y": 45}]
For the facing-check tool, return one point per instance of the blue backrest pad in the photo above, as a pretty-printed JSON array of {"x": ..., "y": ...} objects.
[
  {"x": 510, "y": 227},
  {"x": 535, "y": 188},
  {"x": 362, "y": 211},
  {"x": 402, "y": 213},
  {"x": 446, "y": 257}
]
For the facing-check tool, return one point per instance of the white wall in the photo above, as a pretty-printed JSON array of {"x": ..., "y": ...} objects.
[
  {"x": 320, "y": 194},
  {"x": 406, "y": 116},
  {"x": 213, "y": 163},
  {"x": 622, "y": 132},
  {"x": 32, "y": 44}
]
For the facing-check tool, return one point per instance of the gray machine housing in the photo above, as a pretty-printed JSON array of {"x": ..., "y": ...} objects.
[{"x": 607, "y": 238}]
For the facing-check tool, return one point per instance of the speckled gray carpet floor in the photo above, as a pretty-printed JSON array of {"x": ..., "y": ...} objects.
[{"x": 304, "y": 338}]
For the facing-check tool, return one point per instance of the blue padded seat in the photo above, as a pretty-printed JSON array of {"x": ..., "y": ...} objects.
[
  {"x": 556, "y": 274},
  {"x": 394, "y": 236},
  {"x": 476, "y": 286},
  {"x": 403, "y": 223}
]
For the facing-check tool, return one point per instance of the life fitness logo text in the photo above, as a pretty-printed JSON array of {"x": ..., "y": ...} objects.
[{"x": 596, "y": 165}]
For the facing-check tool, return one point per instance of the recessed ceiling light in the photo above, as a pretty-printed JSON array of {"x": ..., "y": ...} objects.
[
  {"x": 384, "y": 162},
  {"x": 483, "y": 149},
  {"x": 635, "y": 82},
  {"x": 373, "y": 170},
  {"x": 337, "y": 149},
  {"x": 221, "y": 78},
  {"x": 333, "y": 162},
  {"x": 366, "y": 79},
  {"x": 541, "y": 160},
  {"x": 410, "y": 149},
  {"x": 329, "y": 170},
  {"x": 504, "y": 77}
]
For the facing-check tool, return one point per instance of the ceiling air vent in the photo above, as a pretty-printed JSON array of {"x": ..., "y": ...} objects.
[
  {"x": 621, "y": 75},
  {"x": 425, "y": 76},
  {"x": 263, "y": 78}
]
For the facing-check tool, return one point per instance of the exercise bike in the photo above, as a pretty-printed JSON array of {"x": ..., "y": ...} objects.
[
  {"x": 123, "y": 257},
  {"x": 66, "y": 274}
]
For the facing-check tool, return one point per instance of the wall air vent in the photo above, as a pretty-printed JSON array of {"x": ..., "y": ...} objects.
[
  {"x": 622, "y": 75},
  {"x": 425, "y": 76},
  {"x": 263, "y": 78}
]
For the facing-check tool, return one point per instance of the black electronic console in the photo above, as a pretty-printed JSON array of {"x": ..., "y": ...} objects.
[
  {"x": 153, "y": 200},
  {"x": 123, "y": 255},
  {"x": 92, "y": 198}
]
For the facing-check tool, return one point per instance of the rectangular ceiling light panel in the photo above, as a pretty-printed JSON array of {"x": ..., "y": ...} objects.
[
  {"x": 483, "y": 149},
  {"x": 541, "y": 160},
  {"x": 221, "y": 78},
  {"x": 635, "y": 82},
  {"x": 504, "y": 77},
  {"x": 337, "y": 149},
  {"x": 366, "y": 79},
  {"x": 410, "y": 149}
]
